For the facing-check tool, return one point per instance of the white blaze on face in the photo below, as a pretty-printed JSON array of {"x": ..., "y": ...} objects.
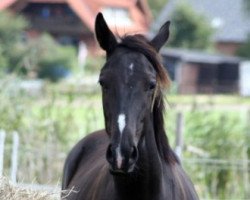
[
  {"x": 121, "y": 124},
  {"x": 131, "y": 66},
  {"x": 118, "y": 158}
]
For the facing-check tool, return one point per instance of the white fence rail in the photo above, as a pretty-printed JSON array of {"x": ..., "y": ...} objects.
[
  {"x": 2, "y": 141},
  {"x": 14, "y": 155},
  {"x": 14, "y": 165}
]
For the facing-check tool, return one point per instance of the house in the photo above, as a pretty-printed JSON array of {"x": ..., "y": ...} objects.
[
  {"x": 229, "y": 18},
  {"x": 72, "y": 21},
  {"x": 196, "y": 72}
]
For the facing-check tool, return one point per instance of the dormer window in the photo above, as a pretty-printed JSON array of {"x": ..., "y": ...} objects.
[
  {"x": 217, "y": 22},
  {"x": 117, "y": 16}
]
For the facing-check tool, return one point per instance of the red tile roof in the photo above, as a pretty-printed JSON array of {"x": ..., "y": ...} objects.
[
  {"x": 87, "y": 10},
  {"x": 6, "y": 3}
]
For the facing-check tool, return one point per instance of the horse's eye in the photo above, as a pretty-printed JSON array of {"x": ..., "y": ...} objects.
[
  {"x": 152, "y": 85},
  {"x": 103, "y": 85},
  {"x": 100, "y": 82}
]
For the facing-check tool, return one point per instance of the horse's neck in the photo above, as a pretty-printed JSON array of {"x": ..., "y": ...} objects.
[
  {"x": 151, "y": 160},
  {"x": 146, "y": 184}
]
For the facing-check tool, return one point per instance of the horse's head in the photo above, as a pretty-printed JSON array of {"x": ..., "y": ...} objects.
[{"x": 129, "y": 81}]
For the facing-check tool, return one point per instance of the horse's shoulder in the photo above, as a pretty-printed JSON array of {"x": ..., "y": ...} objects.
[
  {"x": 98, "y": 137},
  {"x": 178, "y": 184},
  {"x": 84, "y": 147}
]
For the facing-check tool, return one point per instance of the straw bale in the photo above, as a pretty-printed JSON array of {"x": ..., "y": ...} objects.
[{"x": 9, "y": 191}]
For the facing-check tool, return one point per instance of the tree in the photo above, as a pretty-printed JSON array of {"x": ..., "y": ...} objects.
[
  {"x": 247, "y": 5},
  {"x": 190, "y": 29},
  {"x": 244, "y": 50},
  {"x": 42, "y": 55},
  {"x": 156, "y": 6},
  {"x": 53, "y": 61},
  {"x": 11, "y": 29}
]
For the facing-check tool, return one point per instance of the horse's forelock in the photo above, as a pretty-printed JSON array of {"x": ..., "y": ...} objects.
[{"x": 140, "y": 44}]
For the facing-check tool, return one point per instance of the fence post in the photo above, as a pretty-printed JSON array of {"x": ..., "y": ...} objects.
[
  {"x": 179, "y": 134},
  {"x": 2, "y": 140},
  {"x": 14, "y": 157}
]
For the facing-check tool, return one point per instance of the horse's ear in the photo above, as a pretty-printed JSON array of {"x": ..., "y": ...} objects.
[
  {"x": 104, "y": 35},
  {"x": 162, "y": 36}
]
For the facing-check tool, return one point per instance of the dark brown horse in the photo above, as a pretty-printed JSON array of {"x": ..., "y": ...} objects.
[{"x": 131, "y": 159}]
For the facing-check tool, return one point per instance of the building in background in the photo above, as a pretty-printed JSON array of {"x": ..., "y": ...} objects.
[
  {"x": 72, "y": 21},
  {"x": 229, "y": 18},
  {"x": 195, "y": 72}
]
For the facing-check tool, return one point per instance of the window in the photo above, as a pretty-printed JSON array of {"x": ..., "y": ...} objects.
[
  {"x": 217, "y": 22},
  {"x": 117, "y": 16}
]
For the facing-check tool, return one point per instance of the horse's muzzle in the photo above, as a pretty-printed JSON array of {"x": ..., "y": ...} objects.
[{"x": 122, "y": 160}]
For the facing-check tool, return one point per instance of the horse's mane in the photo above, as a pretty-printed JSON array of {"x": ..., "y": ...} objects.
[{"x": 140, "y": 44}]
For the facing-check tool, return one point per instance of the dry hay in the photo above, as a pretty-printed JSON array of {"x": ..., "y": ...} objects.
[{"x": 9, "y": 191}]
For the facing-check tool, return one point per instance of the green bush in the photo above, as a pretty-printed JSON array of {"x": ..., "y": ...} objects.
[
  {"x": 55, "y": 60},
  {"x": 93, "y": 64},
  {"x": 48, "y": 59},
  {"x": 223, "y": 136},
  {"x": 41, "y": 55},
  {"x": 11, "y": 32},
  {"x": 3, "y": 60},
  {"x": 244, "y": 50},
  {"x": 190, "y": 29},
  {"x": 48, "y": 125}
]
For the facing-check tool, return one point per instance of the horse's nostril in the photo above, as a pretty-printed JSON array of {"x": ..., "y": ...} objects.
[
  {"x": 109, "y": 154},
  {"x": 134, "y": 153}
]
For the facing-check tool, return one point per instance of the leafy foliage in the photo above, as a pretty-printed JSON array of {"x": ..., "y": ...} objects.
[
  {"x": 11, "y": 28},
  {"x": 190, "y": 29},
  {"x": 156, "y": 6},
  {"x": 48, "y": 123},
  {"x": 49, "y": 59},
  {"x": 40, "y": 55},
  {"x": 93, "y": 64},
  {"x": 222, "y": 135},
  {"x": 247, "y": 6},
  {"x": 244, "y": 50},
  {"x": 3, "y": 59},
  {"x": 11, "y": 31}
]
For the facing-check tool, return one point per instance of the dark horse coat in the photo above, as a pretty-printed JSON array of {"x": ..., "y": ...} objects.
[{"x": 131, "y": 159}]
